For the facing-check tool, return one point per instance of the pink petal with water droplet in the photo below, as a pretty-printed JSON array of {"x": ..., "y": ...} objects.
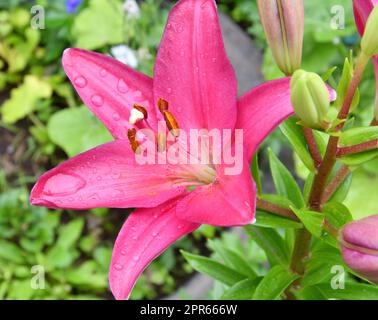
[
  {"x": 144, "y": 236},
  {"x": 109, "y": 88},
  {"x": 107, "y": 176},
  {"x": 192, "y": 70}
]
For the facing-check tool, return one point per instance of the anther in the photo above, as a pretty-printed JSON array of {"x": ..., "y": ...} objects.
[
  {"x": 131, "y": 134},
  {"x": 141, "y": 109},
  {"x": 163, "y": 105},
  {"x": 172, "y": 124},
  {"x": 137, "y": 114}
]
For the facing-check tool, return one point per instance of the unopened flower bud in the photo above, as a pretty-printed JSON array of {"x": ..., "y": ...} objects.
[
  {"x": 369, "y": 42},
  {"x": 359, "y": 247},
  {"x": 283, "y": 22},
  {"x": 310, "y": 98}
]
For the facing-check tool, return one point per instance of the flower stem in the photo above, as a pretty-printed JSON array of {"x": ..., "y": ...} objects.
[
  {"x": 274, "y": 209},
  {"x": 303, "y": 237},
  {"x": 357, "y": 148},
  {"x": 312, "y": 146}
]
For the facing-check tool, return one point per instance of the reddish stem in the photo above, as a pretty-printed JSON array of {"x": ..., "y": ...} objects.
[
  {"x": 357, "y": 148},
  {"x": 274, "y": 209},
  {"x": 312, "y": 146}
]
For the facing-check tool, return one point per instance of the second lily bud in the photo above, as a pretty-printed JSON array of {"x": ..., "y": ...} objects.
[
  {"x": 283, "y": 22},
  {"x": 310, "y": 99},
  {"x": 359, "y": 247}
]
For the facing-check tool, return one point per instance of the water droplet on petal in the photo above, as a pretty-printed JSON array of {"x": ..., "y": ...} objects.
[
  {"x": 122, "y": 86},
  {"x": 81, "y": 82},
  {"x": 169, "y": 90},
  {"x": 154, "y": 234},
  {"x": 136, "y": 258},
  {"x": 117, "y": 266},
  {"x": 103, "y": 73},
  {"x": 97, "y": 100},
  {"x": 63, "y": 184},
  {"x": 123, "y": 252},
  {"x": 116, "y": 117}
]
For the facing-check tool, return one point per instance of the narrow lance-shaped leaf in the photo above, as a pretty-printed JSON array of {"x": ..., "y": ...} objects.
[
  {"x": 213, "y": 269},
  {"x": 233, "y": 259},
  {"x": 274, "y": 283},
  {"x": 284, "y": 182},
  {"x": 242, "y": 290},
  {"x": 294, "y": 134},
  {"x": 271, "y": 242}
]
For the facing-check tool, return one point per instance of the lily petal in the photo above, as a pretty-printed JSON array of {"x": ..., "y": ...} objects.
[
  {"x": 146, "y": 234},
  {"x": 107, "y": 176},
  {"x": 362, "y": 10},
  {"x": 109, "y": 88},
  {"x": 229, "y": 201},
  {"x": 262, "y": 109},
  {"x": 192, "y": 70}
]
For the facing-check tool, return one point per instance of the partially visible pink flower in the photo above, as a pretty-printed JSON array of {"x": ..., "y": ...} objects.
[
  {"x": 359, "y": 247},
  {"x": 362, "y": 10},
  {"x": 192, "y": 73}
]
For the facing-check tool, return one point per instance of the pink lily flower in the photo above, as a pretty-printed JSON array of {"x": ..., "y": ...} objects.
[
  {"x": 193, "y": 74},
  {"x": 362, "y": 10}
]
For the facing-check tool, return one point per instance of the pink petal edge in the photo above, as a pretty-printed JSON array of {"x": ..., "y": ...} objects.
[
  {"x": 107, "y": 176},
  {"x": 145, "y": 235},
  {"x": 192, "y": 70},
  {"x": 109, "y": 88}
]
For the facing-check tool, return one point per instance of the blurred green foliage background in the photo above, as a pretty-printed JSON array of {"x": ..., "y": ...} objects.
[{"x": 43, "y": 122}]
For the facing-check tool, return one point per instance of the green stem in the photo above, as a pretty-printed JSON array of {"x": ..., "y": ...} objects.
[{"x": 303, "y": 237}]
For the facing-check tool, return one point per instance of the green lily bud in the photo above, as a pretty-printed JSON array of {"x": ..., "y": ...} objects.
[
  {"x": 369, "y": 42},
  {"x": 310, "y": 98},
  {"x": 283, "y": 22}
]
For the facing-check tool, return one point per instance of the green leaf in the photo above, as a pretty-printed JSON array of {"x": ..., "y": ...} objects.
[
  {"x": 87, "y": 275},
  {"x": 337, "y": 214},
  {"x": 214, "y": 269},
  {"x": 342, "y": 191},
  {"x": 357, "y": 159},
  {"x": 284, "y": 182},
  {"x": 242, "y": 290},
  {"x": 328, "y": 74},
  {"x": 98, "y": 25},
  {"x": 271, "y": 242},
  {"x": 274, "y": 283},
  {"x": 10, "y": 252},
  {"x": 76, "y": 130},
  {"x": 233, "y": 259},
  {"x": 351, "y": 292},
  {"x": 268, "y": 220},
  {"x": 24, "y": 99},
  {"x": 70, "y": 233},
  {"x": 313, "y": 221},
  {"x": 308, "y": 186},
  {"x": 319, "y": 267},
  {"x": 256, "y": 173},
  {"x": 294, "y": 133},
  {"x": 358, "y": 135},
  {"x": 344, "y": 85}
]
